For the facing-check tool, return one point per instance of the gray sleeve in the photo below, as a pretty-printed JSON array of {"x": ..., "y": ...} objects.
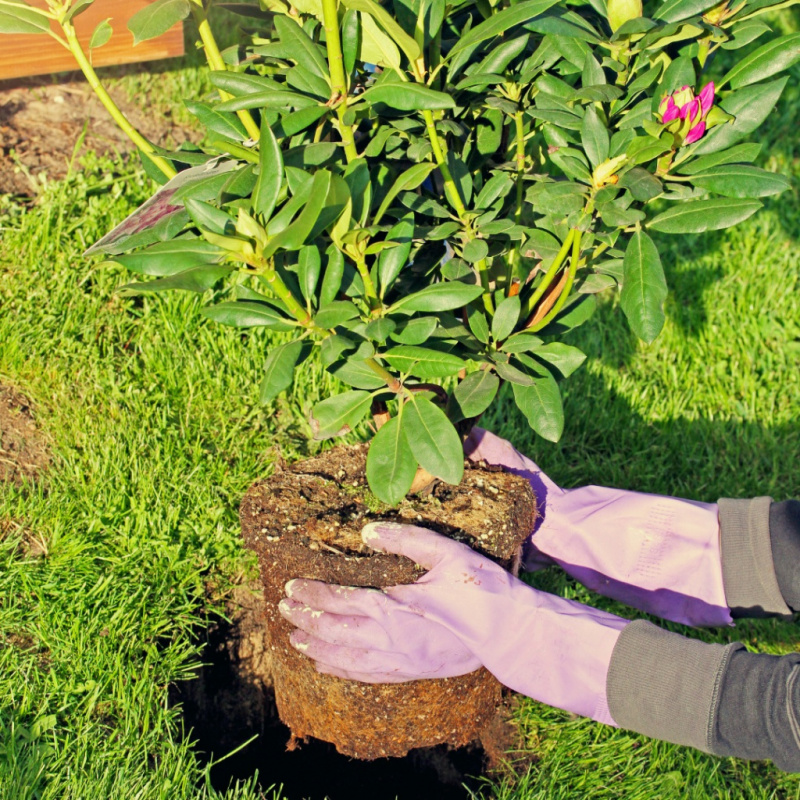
[
  {"x": 748, "y": 571},
  {"x": 784, "y": 533},
  {"x": 717, "y": 698}
]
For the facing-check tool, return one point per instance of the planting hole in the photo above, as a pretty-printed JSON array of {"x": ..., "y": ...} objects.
[{"x": 230, "y": 700}]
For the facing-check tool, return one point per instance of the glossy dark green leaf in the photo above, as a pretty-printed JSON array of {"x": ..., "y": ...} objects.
[
  {"x": 168, "y": 258},
  {"x": 541, "y": 405},
  {"x": 423, "y": 362},
  {"x": 194, "y": 279},
  {"x": 643, "y": 185},
  {"x": 309, "y": 265},
  {"x": 339, "y": 414},
  {"x": 505, "y": 318},
  {"x": 564, "y": 357},
  {"x": 741, "y": 180},
  {"x": 406, "y": 181},
  {"x": 512, "y": 374},
  {"x": 208, "y": 217},
  {"x": 440, "y": 297},
  {"x": 575, "y": 312},
  {"x": 476, "y": 320},
  {"x": 699, "y": 216},
  {"x": 750, "y": 107},
  {"x": 351, "y": 39},
  {"x": 157, "y": 18},
  {"x": 355, "y": 372},
  {"x": 391, "y": 466},
  {"x": 379, "y": 330},
  {"x": 676, "y": 10},
  {"x": 416, "y": 330},
  {"x": 768, "y": 60},
  {"x": 522, "y": 343},
  {"x": 739, "y": 153},
  {"x": 408, "y": 97},
  {"x": 243, "y": 83},
  {"x": 503, "y": 21},
  {"x": 475, "y": 250},
  {"x": 247, "y": 314},
  {"x": 433, "y": 440},
  {"x": 389, "y": 24},
  {"x": 475, "y": 393},
  {"x": 269, "y": 99},
  {"x": 332, "y": 279},
  {"x": 279, "y": 370},
  {"x": 226, "y": 125},
  {"x": 335, "y": 313},
  {"x": 645, "y": 287},
  {"x": 270, "y": 173},
  {"x": 304, "y": 50},
  {"x": 392, "y": 261}
]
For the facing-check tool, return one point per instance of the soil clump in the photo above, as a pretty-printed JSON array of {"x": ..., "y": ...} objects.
[{"x": 305, "y": 521}]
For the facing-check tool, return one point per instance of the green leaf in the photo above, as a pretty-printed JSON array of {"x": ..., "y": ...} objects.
[
  {"x": 332, "y": 280},
  {"x": 433, "y": 440},
  {"x": 699, "y": 216},
  {"x": 644, "y": 289},
  {"x": 511, "y": 374},
  {"x": 194, "y": 279},
  {"x": 217, "y": 121},
  {"x": 642, "y": 184},
  {"x": 304, "y": 50},
  {"x": 440, "y": 297},
  {"x": 741, "y": 180},
  {"x": 741, "y": 152},
  {"x": 501, "y": 22},
  {"x": 376, "y": 47},
  {"x": 676, "y": 10},
  {"x": 505, "y": 318},
  {"x": 335, "y": 313},
  {"x": 351, "y": 39},
  {"x": 521, "y": 343},
  {"x": 168, "y": 258},
  {"x": 272, "y": 99},
  {"x": 388, "y": 23},
  {"x": 475, "y": 393},
  {"x": 574, "y": 313},
  {"x": 270, "y": 173},
  {"x": 102, "y": 33},
  {"x": 594, "y": 137},
  {"x": 392, "y": 261},
  {"x": 478, "y": 324},
  {"x": 309, "y": 265},
  {"x": 18, "y": 19},
  {"x": 355, "y": 372},
  {"x": 750, "y": 107},
  {"x": 475, "y": 250},
  {"x": 541, "y": 405},
  {"x": 339, "y": 414},
  {"x": 391, "y": 466},
  {"x": 407, "y": 181},
  {"x": 422, "y": 362},
  {"x": 208, "y": 217},
  {"x": 247, "y": 314},
  {"x": 565, "y": 358},
  {"x": 415, "y": 331},
  {"x": 157, "y": 18},
  {"x": 279, "y": 370},
  {"x": 408, "y": 97},
  {"x": 244, "y": 83},
  {"x": 767, "y": 60}
]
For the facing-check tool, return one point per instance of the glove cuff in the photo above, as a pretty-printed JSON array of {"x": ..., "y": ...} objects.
[{"x": 748, "y": 571}]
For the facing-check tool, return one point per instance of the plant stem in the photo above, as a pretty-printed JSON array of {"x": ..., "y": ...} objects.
[
  {"x": 333, "y": 43},
  {"x": 369, "y": 286},
  {"x": 270, "y": 275},
  {"x": 454, "y": 198},
  {"x": 384, "y": 374},
  {"x": 573, "y": 266},
  {"x": 105, "y": 98},
  {"x": 531, "y": 302},
  {"x": 519, "y": 123},
  {"x": 216, "y": 62}
]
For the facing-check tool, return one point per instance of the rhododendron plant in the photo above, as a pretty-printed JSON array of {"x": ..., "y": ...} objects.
[{"x": 427, "y": 195}]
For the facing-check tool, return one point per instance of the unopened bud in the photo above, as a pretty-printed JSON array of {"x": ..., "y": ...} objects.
[
  {"x": 606, "y": 173},
  {"x": 622, "y": 11}
]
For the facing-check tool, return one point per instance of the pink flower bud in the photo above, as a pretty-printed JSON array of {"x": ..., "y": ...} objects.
[
  {"x": 706, "y": 97},
  {"x": 695, "y": 133}
]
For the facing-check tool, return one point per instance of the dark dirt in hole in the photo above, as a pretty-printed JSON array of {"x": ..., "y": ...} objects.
[
  {"x": 40, "y": 123},
  {"x": 305, "y": 521},
  {"x": 231, "y": 700},
  {"x": 23, "y": 450}
]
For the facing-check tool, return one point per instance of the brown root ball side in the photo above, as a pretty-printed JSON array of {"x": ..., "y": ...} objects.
[{"x": 305, "y": 521}]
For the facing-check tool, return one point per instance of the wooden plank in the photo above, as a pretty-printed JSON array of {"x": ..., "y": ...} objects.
[{"x": 22, "y": 55}]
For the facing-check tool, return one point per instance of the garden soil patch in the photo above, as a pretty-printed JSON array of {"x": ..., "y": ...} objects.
[
  {"x": 305, "y": 521},
  {"x": 23, "y": 449},
  {"x": 41, "y": 122},
  {"x": 230, "y": 700}
]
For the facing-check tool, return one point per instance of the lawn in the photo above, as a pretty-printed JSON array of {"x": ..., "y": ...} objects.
[{"x": 113, "y": 560}]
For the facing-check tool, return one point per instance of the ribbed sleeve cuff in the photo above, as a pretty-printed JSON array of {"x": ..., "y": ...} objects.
[
  {"x": 664, "y": 685},
  {"x": 748, "y": 573}
]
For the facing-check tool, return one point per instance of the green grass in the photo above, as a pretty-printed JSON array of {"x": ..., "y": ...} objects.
[{"x": 152, "y": 417}]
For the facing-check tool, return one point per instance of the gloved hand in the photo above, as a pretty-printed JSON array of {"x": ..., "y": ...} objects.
[
  {"x": 554, "y": 650},
  {"x": 658, "y": 554}
]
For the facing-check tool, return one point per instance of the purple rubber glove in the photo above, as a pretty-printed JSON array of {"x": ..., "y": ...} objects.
[
  {"x": 465, "y": 608},
  {"x": 658, "y": 554}
]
